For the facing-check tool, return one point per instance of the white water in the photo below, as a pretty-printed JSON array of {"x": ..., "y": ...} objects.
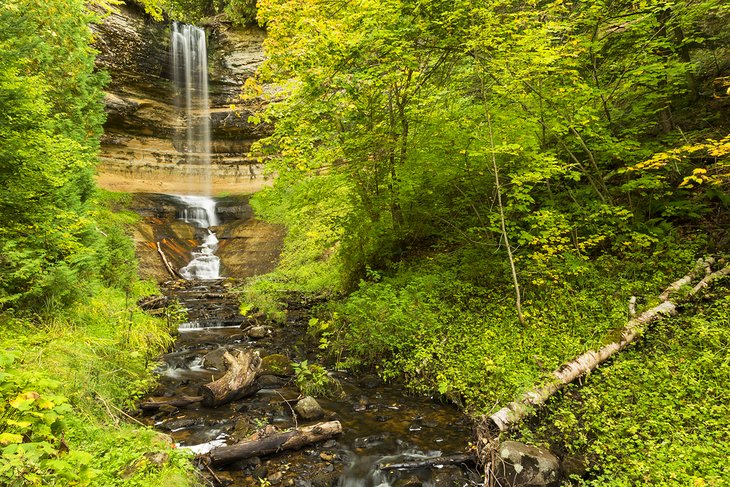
[
  {"x": 198, "y": 211},
  {"x": 204, "y": 265},
  {"x": 190, "y": 76}
]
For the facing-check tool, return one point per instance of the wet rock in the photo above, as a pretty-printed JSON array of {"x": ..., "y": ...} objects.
[
  {"x": 447, "y": 477},
  {"x": 370, "y": 381},
  {"x": 429, "y": 423},
  {"x": 260, "y": 472},
  {"x": 361, "y": 404},
  {"x": 369, "y": 441},
  {"x": 258, "y": 332},
  {"x": 277, "y": 364},
  {"x": 225, "y": 478},
  {"x": 308, "y": 408},
  {"x": 527, "y": 466},
  {"x": 179, "y": 424},
  {"x": 324, "y": 479},
  {"x": 242, "y": 429},
  {"x": 168, "y": 409},
  {"x": 329, "y": 444},
  {"x": 214, "y": 359},
  {"x": 327, "y": 457},
  {"x": 270, "y": 381}
]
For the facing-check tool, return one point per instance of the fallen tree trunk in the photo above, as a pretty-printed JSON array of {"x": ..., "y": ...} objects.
[
  {"x": 505, "y": 418},
  {"x": 178, "y": 402},
  {"x": 288, "y": 440},
  {"x": 458, "y": 459},
  {"x": 236, "y": 383},
  {"x": 169, "y": 267}
]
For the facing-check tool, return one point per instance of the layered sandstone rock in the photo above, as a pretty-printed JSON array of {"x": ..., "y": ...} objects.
[{"x": 142, "y": 148}]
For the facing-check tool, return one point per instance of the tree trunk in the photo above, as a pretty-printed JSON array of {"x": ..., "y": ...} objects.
[
  {"x": 168, "y": 266},
  {"x": 238, "y": 381},
  {"x": 514, "y": 412},
  {"x": 289, "y": 440}
]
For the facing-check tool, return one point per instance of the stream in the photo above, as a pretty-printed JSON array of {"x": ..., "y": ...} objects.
[{"x": 381, "y": 424}]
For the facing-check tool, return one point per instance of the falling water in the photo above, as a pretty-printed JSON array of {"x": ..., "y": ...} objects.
[{"x": 190, "y": 77}]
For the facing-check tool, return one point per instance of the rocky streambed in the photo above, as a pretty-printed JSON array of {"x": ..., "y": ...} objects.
[{"x": 380, "y": 423}]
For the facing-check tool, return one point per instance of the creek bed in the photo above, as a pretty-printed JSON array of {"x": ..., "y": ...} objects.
[{"x": 380, "y": 423}]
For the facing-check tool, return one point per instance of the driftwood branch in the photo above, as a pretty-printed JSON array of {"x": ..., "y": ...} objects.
[
  {"x": 236, "y": 383},
  {"x": 288, "y": 440},
  {"x": 514, "y": 412},
  {"x": 703, "y": 265},
  {"x": 169, "y": 267}
]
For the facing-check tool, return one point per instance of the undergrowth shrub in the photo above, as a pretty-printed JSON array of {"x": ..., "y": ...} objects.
[
  {"x": 657, "y": 414},
  {"x": 64, "y": 382},
  {"x": 443, "y": 334}
]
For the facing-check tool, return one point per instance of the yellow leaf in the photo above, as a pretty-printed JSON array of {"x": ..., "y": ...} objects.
[{"x": 8, "y": 438}]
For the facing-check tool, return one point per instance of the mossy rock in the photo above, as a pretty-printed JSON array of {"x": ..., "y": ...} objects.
[{"x": 277, "y": 364}]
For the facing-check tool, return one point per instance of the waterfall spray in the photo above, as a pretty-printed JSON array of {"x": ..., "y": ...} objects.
[{"x": 190, "y": 77}]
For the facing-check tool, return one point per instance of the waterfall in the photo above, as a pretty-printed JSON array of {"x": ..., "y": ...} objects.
[{"x": 190, "y": 78}]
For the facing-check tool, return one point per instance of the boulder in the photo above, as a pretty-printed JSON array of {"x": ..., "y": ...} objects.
[
  {"x": 526, "y": 466},
  {"x": 257, "y": 332},
  {"x": 276, "y": 364},
  {"x": 308, "y": 408}
]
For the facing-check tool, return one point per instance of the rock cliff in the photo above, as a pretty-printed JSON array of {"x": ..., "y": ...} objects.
[{"x": 139, "y": 152}]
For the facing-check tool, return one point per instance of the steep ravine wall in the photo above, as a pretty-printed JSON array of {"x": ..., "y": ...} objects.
[
  {"x": 142, "y": 151},
  {"x": 139, "y": 152}
]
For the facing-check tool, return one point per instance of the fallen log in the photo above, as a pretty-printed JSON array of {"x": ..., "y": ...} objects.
[
  {"x": 238, "y": 381},
  {"x": 458, "y": 459},
  {"x": 153, "y": 302},
  {"x": 288, "y": 440},
  {"x": 505, "y": 418},
  {"x": 168, "y": 266},
  {"x": 178, "y": 402}
]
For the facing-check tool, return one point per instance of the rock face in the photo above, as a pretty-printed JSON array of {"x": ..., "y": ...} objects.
[
  {"x": 140, "y": 150},
  {"x": 524, "y": 465},
  {"x": 247, "y": 247}
]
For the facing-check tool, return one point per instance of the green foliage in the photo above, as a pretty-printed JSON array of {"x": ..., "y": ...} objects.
[
  {"x": 438, "y": 329},
  {"x": 63, "y": 383},
  {"x": 50, "y": 120},
  {"x": 390, "y": 102},
  {"x": 32, "y": 428},
  {"x": 312, "y": 379},
  {"x": 658, "y": 414},
  {"x": 393, "y": 118},
  {"x": 241, "y": 12}
]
